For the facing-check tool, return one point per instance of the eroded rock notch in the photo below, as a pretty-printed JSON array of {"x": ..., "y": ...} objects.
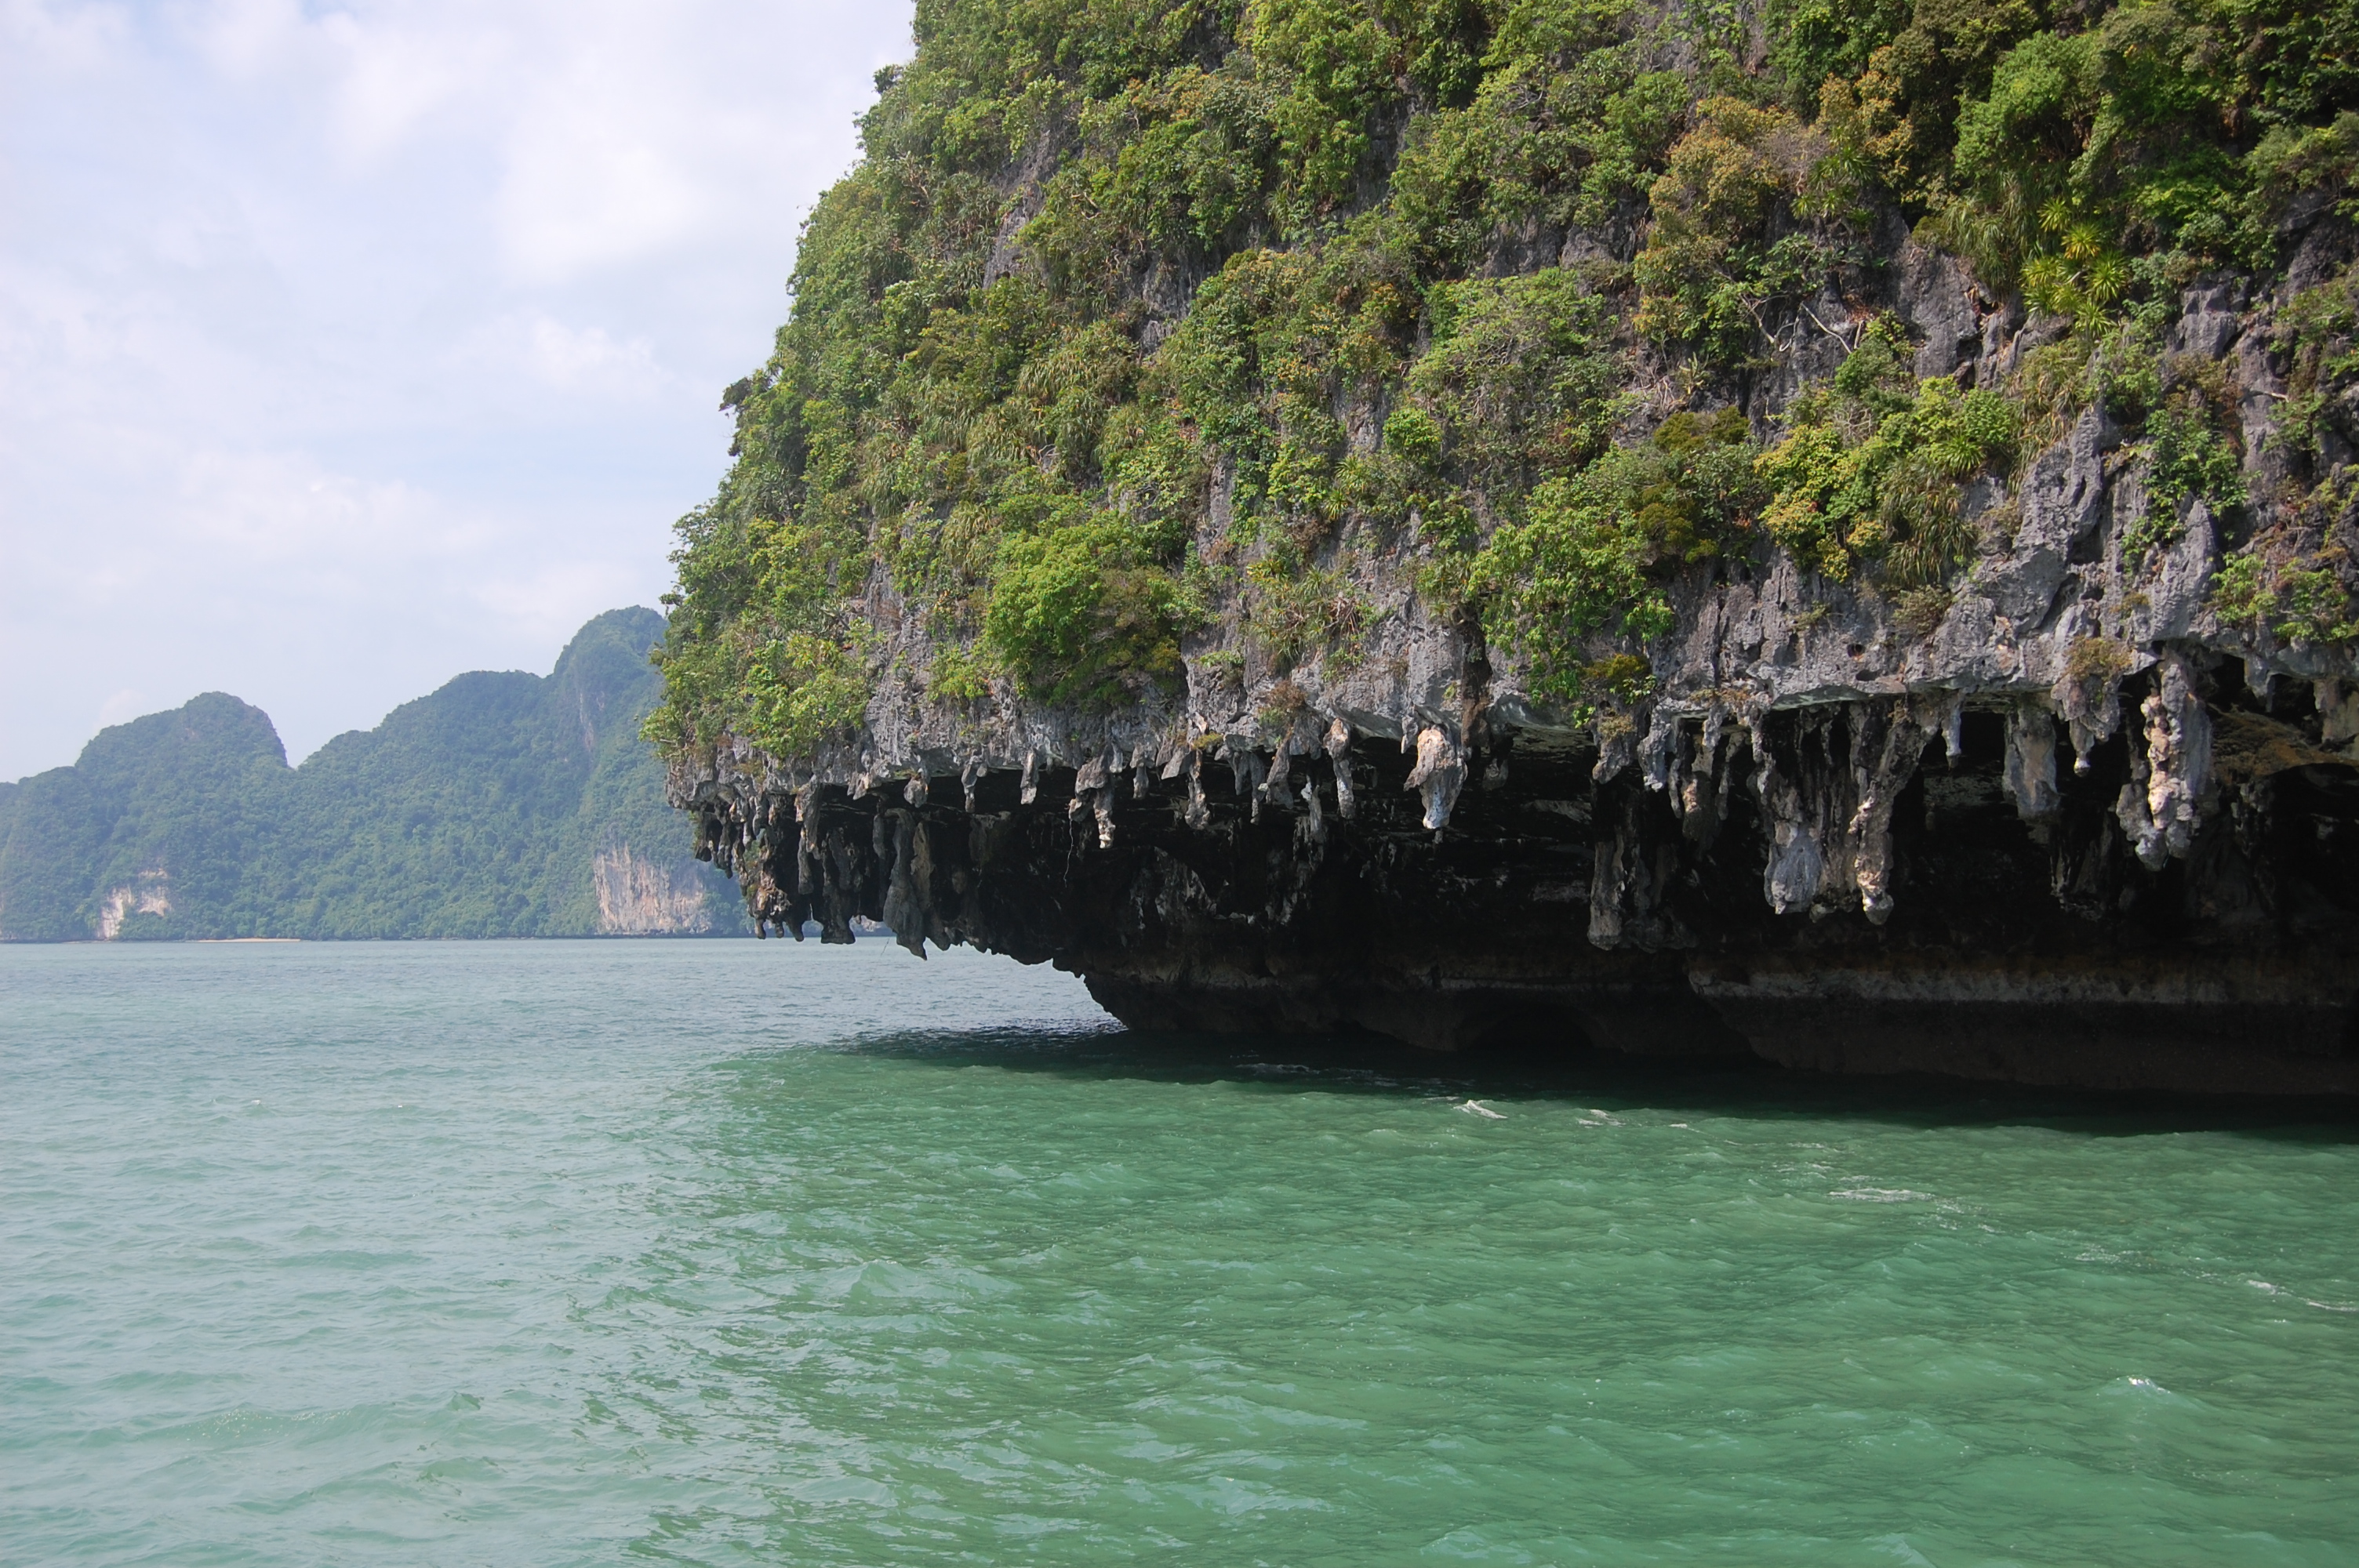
[{"x": 1869, "y": 884}]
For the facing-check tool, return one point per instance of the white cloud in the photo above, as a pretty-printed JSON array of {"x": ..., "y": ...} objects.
[
  {"x": 57, "y": 39},
  {"x": 254, "y": 511},
  {"x": 585, "y": 360},
  {"x": 352, "y": 346},
  {"x": 246, "y": 39},
  {"x": 397, "y": 83},
  {"x": 583, "y": 193}
]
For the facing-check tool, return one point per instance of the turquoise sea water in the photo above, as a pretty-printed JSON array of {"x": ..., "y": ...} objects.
[{"x": 734, "y": 1252}]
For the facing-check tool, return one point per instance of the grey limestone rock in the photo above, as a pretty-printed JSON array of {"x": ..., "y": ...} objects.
[{"x": 1765, "y": 855}]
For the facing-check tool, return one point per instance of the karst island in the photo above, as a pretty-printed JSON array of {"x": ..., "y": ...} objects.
[{"x": 1809, "y": 533}]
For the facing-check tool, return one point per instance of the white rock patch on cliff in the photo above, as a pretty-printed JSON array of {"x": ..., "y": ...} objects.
[
  {"x": 151, "y": 894},
  {"x": 640, "y": 897}
]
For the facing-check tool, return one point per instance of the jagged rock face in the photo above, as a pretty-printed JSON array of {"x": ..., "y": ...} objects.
[
  {"x": 2078, "y": 833},
  {"x": 1865, "y": 885}
]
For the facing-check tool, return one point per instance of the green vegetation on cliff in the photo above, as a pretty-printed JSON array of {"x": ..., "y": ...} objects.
[
  {"x": 1131, "y": 309},
  {"x": 503, "y": 805}
]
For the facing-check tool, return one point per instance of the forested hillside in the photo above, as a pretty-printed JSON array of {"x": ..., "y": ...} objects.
[
  {"x": 503, "y": 805},
  {"x": 1142, "y": 328}
]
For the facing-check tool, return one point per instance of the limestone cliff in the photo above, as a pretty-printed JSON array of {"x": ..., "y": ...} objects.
[
  {"x": 640, "y": 896},
  {"x": 2028, "y": 756}
]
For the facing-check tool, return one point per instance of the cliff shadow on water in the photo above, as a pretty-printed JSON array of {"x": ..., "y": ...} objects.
[{"x": 1512, "y": 1066}]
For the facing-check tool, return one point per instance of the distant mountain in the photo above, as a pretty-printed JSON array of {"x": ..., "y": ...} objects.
[{"x": 503, "y": 805}]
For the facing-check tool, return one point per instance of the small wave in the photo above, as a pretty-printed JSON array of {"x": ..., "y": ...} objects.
[
  {"x": 2145, "y": 1388},
  {"x": 2264, "y": 1287},
  {"x": 1476, "y": 1108},
  {"x": 1881, "y": 1195}
]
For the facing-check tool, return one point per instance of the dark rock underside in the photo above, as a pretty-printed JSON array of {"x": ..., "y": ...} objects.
[{"x": 2023, "y": 940}]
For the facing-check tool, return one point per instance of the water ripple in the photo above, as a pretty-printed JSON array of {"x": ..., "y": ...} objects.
[{"x": 724, "y": 1252}]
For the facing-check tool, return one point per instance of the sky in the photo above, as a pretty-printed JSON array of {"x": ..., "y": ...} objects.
[{"x": 347, "y": 346}]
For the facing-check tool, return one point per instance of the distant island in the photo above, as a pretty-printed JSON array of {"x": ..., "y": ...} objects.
[{"x": 503, "y": 805}]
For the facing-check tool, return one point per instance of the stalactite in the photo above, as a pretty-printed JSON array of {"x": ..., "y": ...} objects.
[
  {"x": 1247, "y": 771},
  {"x": 1886, "y": 740},
  {"x": 2171, "y": 776},
  {"x": 1339, "y": 752},
  {"x": 2029, "y": 777},
  {"x": 1440, "y": 773},
  {"x": 1657, "y": 882}
]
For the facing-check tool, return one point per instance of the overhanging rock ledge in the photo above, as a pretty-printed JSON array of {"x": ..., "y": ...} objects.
[{"x": 2077, "y": 833}]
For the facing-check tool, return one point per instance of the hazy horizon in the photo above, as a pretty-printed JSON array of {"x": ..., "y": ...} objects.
[{"x": 355, "y": 349}]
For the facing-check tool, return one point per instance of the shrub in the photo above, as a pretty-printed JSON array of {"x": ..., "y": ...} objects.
[
  {"x": 1575, "y": 568},
  {"x": 1414, "y": 436},
  {"x": 1075, "y": 613},
  {"x": 1919, "y": 611},
  {"x": 1522, "y": 376},
  {"x": 2097, "y": 659},
  {"x": 2301, "y": 600},
  {"x": 2319, "y": 331},
  {"x": 1294, "y": 612},
  {"x": 1593, "y": 550},
  {"x": 2189, "y": 459},
  {"x": 1868, "y": 471},
  {"x": 1724, "y": 246},
  {"x": 801, "y": 691}
]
